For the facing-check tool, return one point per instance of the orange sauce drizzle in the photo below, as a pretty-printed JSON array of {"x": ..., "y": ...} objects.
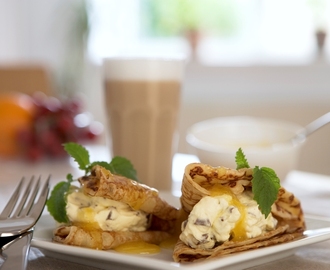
[
  {"x": 169, "y": 243},
  {"x": 89, "y": 225},
  {"x": 138, "y": 247},
  {"x": 239, "y": 231}
]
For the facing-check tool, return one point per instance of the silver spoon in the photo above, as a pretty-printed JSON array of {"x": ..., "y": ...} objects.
[{"x": 311, "y": 128}]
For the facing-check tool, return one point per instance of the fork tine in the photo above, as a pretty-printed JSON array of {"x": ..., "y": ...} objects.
[
  {"x": 27, "y": 209},
  {"x": 24, "y": 198},
  {"x": 37, "y": 208},
  {"x": 12, "y": 201},
  {"x": 32, "y": 197}
]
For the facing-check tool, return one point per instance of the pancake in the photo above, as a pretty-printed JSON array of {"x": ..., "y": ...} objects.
[
  {"x": 103, "y": 184},
  {"x": 199, "y": 179},
  {"x": 104, "y": 240}
]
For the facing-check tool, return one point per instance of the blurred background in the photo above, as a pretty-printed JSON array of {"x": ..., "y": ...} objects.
[{"x": 244, "y": 57}]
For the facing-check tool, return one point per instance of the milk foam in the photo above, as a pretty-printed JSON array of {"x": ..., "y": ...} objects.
[{"x": 141, "y": 69}]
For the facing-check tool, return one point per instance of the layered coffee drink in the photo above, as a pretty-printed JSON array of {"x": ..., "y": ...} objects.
[{"x": 142, "y": 99}]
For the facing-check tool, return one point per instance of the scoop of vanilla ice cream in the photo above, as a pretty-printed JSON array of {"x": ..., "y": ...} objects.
[
  {"x": 210, "y": 221},
  {"x": 213, "y": 219},
  {"x": 255, "y": 222},
  {"x": 110, "y": 215}
]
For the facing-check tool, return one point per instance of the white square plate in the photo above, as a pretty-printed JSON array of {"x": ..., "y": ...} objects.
[{"x": 318, "y": 230}]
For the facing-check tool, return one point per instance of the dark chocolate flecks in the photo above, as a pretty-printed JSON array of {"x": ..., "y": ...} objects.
[{"x": 203, "y": 222}]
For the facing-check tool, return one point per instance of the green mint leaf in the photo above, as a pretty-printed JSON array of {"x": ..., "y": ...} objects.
[
  {"x": 69, "y": 178},
  {"x": 79, "y": 153},
  {"x": 122, "y": 166},
  {"x": 56, "y": 203},
  {"x": 265, "y": 187},
  {"x": 241, "y": 161}
]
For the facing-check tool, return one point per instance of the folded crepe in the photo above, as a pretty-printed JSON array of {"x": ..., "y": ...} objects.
[
  {"x": 197, "y": 182},
  {"x": 102, "y": 183}
]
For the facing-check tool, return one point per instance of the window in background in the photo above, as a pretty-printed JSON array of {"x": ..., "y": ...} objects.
[
  {"x": 192, "y": 20},
  {"x": 213, "y": 32}
]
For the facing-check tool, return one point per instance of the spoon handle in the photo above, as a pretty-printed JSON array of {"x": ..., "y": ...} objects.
[{"x": 316, "y": 124}]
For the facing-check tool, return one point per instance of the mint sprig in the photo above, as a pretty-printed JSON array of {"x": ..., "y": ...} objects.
[
  {"x": 56, "y": 203},
  {"x": 241, "y": 160},
  {"x": 79, "y": 154},
  {"x": 265, "y": 183},
  {"x": 118, "y": 165},
  {"x": 122, "y": 166},
  {"x": 265, "y": 187}
]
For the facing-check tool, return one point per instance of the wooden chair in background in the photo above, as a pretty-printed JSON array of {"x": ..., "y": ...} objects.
[{"x": 25, "y": 78}]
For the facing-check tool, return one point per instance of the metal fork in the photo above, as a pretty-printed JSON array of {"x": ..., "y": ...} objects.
[{"x": 22, "y": 212}]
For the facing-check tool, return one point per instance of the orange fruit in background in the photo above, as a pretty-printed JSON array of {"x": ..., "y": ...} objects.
[{"x": 16, "y": 113}]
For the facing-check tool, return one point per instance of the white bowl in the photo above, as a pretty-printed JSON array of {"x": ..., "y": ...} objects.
[{"x": 265, "y": 142}]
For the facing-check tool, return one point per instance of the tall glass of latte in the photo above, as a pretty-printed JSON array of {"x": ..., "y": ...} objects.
[{"x": 142, "y": 100}]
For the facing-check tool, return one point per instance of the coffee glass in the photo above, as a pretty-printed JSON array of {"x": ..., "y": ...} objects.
[{"x": 142, "y": 101}]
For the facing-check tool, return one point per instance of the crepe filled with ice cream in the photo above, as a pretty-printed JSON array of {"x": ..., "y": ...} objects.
[
  {"x": 108, "y": 210},
  {"x": 224, "y": 218}
]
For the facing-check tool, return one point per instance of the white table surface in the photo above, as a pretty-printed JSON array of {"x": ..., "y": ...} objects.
[{"x": 313, "y": 190}]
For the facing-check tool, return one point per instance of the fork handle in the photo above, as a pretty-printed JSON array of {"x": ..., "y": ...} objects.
[{"x": 14, "y": 255}]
